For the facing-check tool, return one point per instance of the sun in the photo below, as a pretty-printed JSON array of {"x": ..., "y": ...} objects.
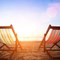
[{"x": 27, "y": 33}]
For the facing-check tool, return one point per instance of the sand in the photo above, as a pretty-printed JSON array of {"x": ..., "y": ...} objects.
[{"x": 29, "y": 52}]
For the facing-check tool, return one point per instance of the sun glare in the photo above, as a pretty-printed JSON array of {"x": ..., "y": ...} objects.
[{"x": 27, "y": 33}]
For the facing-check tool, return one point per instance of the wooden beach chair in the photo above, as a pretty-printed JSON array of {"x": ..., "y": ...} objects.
[
  {"x": 8, "y": 40},
  {"x": 52, "y": 42}
]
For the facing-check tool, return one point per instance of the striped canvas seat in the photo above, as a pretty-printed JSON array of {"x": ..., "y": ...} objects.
[
  {"x": 54, "y": 37},
  {"x": 7, "y": 37}
]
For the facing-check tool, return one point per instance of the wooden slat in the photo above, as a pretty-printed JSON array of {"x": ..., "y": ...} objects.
[
  {"x": 55, "y": 27},
  {"x": 52, "y": 49},
  {"x": 15, "y": 37},
  {"x": 7, "y": 50},
  {"x": 5, "y": 27},
  {"x": 48, "y": 29}
]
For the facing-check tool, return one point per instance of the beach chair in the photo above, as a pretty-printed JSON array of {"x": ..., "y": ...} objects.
[
  {"x": 8, "y": 40},
  {"x": 51, "y": 40}
]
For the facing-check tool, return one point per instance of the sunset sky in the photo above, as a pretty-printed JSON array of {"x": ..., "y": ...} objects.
[{"x": 30, "y": 18}]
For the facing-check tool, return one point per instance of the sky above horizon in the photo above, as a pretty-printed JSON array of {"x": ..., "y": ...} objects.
[{"x": 30, "y": 18}]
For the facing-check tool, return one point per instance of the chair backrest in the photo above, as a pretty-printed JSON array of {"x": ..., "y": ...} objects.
[
  {"x": 54, "y": 36},
  {"x": 7, "y": 37}
]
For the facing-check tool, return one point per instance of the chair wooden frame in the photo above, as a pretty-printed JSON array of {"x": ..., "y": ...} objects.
[{"x": 43, "y": 42}]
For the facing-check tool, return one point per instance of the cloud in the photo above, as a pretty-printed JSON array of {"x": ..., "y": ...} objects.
[
  {"x": 50, "y": 13},
  {"x": 53, "y": 10}
]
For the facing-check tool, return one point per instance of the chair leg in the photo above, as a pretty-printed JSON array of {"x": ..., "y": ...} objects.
[
  {"x": 1, "y": 46},
  {"x": 57, "y": 45},
  {"x": 52, "y": 46},
  {"x": 10, "y": 58},
  {"x": 49, "y": 54},
  {"x": 41, "y": 44}
]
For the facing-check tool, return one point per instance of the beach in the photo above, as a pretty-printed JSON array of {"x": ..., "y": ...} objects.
[{"x": 30, "y": 52}]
